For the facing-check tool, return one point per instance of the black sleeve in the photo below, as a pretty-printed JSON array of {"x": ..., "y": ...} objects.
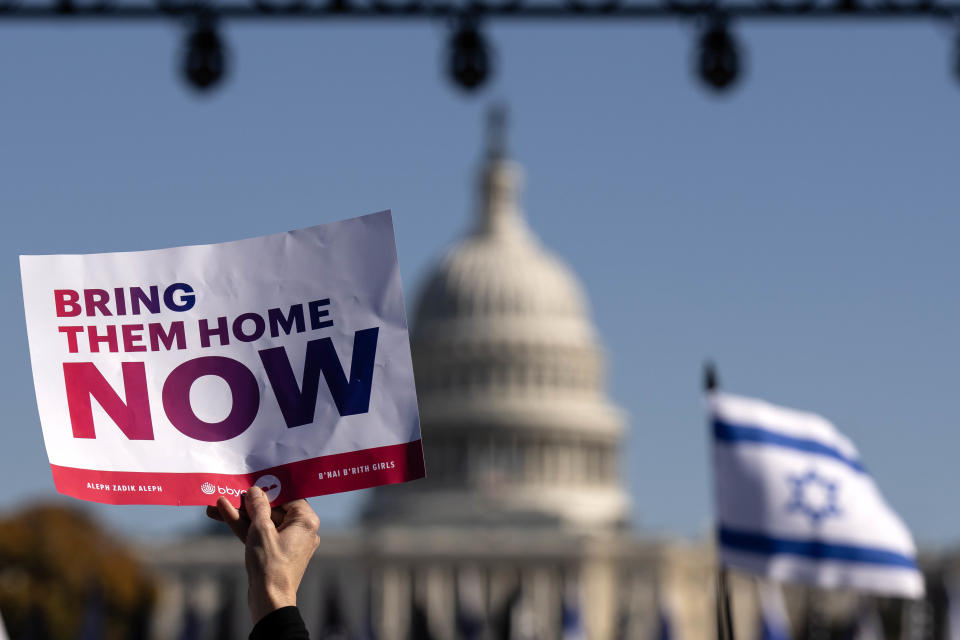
[{"x": 283, "y": 624}]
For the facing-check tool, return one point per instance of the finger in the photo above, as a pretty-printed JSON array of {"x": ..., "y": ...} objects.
[
  {"x": 300, "y": 513},
  {"x": 297, "y": 505},
  {"x": 214, "y": 513},
  {"x": 277, "y": 514},
  {"x": 258, "y": 507},
  {"x": 231, "y": 516}
]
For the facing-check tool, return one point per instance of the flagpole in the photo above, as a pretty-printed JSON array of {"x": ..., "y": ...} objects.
[{"x": 724, "y": 618}]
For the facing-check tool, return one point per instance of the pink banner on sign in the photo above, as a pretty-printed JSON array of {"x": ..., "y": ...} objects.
[{"x": 314, "y": 477}]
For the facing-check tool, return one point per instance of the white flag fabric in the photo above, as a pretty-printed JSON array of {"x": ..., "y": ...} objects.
[
  {"x": 3, "y": 630},
  {"x": 795, "y": 503}
]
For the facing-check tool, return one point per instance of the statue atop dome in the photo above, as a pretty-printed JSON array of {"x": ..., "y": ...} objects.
[
  {"x": 497, "y": 131},
  {"x": 500, "y": 183}
]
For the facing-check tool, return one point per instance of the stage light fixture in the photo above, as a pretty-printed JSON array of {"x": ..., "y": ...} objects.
[
  {"x": 719, "y": 56},
  {"x": 470, "y": 56},
  {"x": 205, "y": 56}
]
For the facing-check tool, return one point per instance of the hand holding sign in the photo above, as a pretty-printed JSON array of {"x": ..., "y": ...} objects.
[
  {"x": 173, "y": 376},
  {"x": 279, "y": 544}
]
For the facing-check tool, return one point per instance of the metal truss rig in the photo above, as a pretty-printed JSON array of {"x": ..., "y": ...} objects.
[{"x": 205, "y": 55}]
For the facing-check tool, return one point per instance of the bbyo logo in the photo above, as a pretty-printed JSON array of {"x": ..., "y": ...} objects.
[
  {"x": 270, "y": 485},
  {"x": 210, "y": 489}
]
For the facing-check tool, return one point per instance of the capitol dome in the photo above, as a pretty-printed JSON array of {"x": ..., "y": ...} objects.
[{"x": 517, "y": 428}]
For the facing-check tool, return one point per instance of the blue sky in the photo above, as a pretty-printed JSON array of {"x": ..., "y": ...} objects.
[{"x": 801, "y": 231}]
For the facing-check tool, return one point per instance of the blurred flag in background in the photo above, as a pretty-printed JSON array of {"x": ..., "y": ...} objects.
[
  {"x": 774, "y": 624},
  {"x": 665, "y": 629},
  {"x": 868, "y": 625},
  {"x": 571, "y": 621},
  {"x": 952, "y": 621},
  {"x": 471, "y": 619}
]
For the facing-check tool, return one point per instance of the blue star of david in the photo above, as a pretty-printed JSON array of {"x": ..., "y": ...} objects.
[{"x": 799, "y": 499}]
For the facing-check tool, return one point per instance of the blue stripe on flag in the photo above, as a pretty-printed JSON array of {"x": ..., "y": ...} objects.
[
  {"x": 814, "y": 549},
  {"x": 726, "y": 432}
]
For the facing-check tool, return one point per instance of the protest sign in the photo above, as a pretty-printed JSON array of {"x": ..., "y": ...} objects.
[{"x": 179, "y": 375}]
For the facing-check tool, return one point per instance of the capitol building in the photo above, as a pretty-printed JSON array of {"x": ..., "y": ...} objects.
[{"x": 521, "y": 531}]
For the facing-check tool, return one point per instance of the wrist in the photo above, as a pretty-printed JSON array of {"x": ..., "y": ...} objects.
[{"x": 264, "y": 601}]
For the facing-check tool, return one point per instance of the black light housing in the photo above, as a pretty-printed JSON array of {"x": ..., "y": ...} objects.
[
  {"x": 718, "y": 56},
  {"x": 204, "y": 57},
  {"x": 470, "y": 58}
]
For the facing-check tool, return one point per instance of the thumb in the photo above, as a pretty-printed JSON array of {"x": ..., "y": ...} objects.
[{"x": 258, "y": 507}]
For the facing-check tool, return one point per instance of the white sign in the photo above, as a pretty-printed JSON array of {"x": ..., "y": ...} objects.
[{"x": 179, "y": 375}]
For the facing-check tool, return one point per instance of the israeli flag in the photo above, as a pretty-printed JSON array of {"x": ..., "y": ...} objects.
[{"x": 795, "y": 503}]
